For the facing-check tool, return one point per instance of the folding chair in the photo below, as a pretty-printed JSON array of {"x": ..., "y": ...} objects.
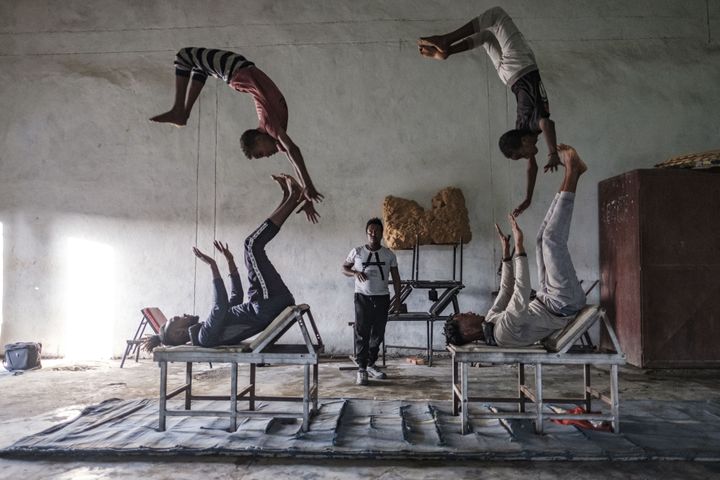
[{"x": 151, "y": 316}]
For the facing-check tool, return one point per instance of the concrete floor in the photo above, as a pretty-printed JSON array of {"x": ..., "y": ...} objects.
[{"x": 38, "y": 399}]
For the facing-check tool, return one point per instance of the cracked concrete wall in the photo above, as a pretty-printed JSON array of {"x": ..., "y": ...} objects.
[{"x": 86, "y": 179}]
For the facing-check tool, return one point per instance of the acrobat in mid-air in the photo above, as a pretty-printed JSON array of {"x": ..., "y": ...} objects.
[
  {"x": 515, "y": 63},
  {"x": 193, "y": 66}
]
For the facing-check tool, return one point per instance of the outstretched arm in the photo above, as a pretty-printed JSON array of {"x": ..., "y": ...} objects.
[
  {"x": 236, "y": 288},
  {"x": 508, "y": 279},
  {"x": 548, "y": 129},
  {"x": 532, "y": 169},
  {"x": 209, "y": 261},
  {"x": 298, "y": 163},
  {"x": 521, "y": 292}
]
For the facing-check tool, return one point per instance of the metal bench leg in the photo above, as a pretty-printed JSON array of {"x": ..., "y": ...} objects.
[
  {"x": 538, "y": 398},
  {"x": 615, "y": 398},
  {"x": 588, "y": 397},
  {"x": 306, "y": 398},
  {"x": 430, "y": 342},
  {"x": 251, "y": 401},
  {"x": 521, "y": 384},
  {"x": 233, "y": 396},
  {"x": 188, "y": 385},
  {"x": 163, "y": 395},
  {"x": 464, "y": 405},
  {"x": 455, "y": 403},
  {"x": 315, "y": 387}
]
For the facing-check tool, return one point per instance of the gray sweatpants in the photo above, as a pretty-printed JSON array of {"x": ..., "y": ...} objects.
[{"x": 559, "y": 288}]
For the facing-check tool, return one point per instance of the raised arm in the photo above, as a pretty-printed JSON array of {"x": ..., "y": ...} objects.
[
  {"x": 507, "y": 281},
  {"x": 548, "y": 128},
  {"x": 532, "y": 170},
  {"x": 209, "y": 261},
  {"x": 236, "y": 288},
  {"x": 521, "y": 292},
  {"x": 298, "y": 164}
]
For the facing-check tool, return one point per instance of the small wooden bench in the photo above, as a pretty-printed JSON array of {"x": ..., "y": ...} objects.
[
  {"x": 556, "y": 350},
  {"x": 262, "y": 350}
]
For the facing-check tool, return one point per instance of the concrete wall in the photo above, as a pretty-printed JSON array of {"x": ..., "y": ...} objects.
[{"x": 99, "y": 208}]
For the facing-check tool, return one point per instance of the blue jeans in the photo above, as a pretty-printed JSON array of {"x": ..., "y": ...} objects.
[{"x": 230, "y": 321}]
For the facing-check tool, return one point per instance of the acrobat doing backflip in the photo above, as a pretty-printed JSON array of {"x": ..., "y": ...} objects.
[
  {"x": 515, "y": 64},
  {"x": 193, "y": 66}
]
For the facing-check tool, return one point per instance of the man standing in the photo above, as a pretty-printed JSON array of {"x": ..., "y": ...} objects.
[
  {"x": 514, "y": 61},
  {"x": 370, "y": 265}
]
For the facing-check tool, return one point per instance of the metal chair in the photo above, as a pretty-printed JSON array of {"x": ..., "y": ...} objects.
[{"x": 151, "y": 316}]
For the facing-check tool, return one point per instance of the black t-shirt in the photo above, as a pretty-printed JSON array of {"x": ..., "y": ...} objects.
[{"x": 532, "y": 102}]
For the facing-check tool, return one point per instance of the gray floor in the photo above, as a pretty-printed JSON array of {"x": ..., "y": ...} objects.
[{"x": 36, "y": 400}]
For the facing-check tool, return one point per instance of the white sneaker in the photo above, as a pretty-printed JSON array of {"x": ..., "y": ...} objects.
[
  {"x": 374, "y": 372},
  {"x": 362, "y": 377}
]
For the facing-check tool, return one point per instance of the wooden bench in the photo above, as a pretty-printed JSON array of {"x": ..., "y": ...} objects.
[
  {"x": 262, "y": 350},
  {"x": 555, "y": 350}
]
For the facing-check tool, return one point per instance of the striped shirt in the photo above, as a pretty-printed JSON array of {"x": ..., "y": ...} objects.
[{"x": 199, "y": 63}]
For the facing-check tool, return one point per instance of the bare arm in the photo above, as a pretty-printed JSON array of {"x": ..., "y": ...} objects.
[
  {"x": 347, "y": 270},
  {"x": 532, "y": 170},
  {"x": 548, "y": 129},
  {"x": 208, "y": 260},
  {"x": 236, "y": 289},
  {"x": 395, "y": 274},
  {"x": 298, "y": 163}
]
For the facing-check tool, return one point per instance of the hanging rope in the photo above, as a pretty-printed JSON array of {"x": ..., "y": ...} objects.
[{"x": 197, "y": 198}]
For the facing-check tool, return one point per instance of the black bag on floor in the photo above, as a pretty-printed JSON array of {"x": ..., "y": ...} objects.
[{"x": 22, "y": 356}]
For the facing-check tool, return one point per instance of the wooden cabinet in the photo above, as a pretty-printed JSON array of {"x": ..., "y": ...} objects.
[{"x": 660, "y": 265}]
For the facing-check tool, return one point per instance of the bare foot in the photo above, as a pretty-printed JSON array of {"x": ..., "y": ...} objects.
[
  {"x": 436, "y": 41},
  {"x": 173, "y": 117},
  {"x": 570, "y": 159},
  {"x": 280, "y": 179}
]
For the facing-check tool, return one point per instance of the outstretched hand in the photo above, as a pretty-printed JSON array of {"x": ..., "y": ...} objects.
[
  {"x": 309, "y": 208},
  {"x": 204, "y": 258},
  {"x": 224, "y": 250},
  {"x": 312, "y": 195},
  {"x": 517, "y": 232},
  {"x": 504, "y": 240},
  {"x": 553, "y": 162},
  {"x": 521, "y": 208}
]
